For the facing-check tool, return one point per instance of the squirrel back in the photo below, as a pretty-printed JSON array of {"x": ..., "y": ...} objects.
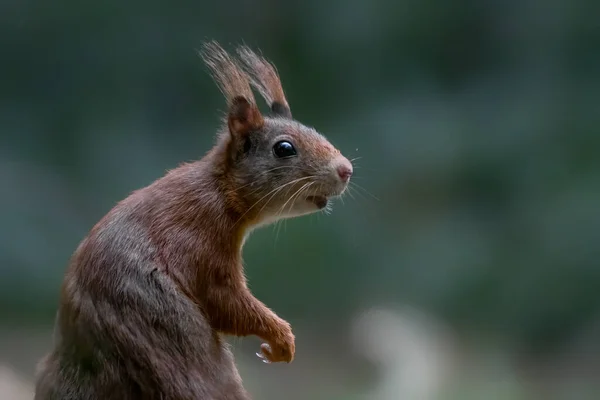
[{"x": 155, "y": 284}]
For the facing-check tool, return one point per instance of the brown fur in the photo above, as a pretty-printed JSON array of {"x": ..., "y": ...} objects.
[
  {"x": 265, "y": 79},
  {"x": 157, "y": 281}
]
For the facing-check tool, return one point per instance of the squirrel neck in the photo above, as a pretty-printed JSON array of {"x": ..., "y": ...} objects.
[{"x": 199, "y": 220}]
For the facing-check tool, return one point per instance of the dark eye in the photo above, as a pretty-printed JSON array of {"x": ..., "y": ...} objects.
[{"x": 284, "y": 149}]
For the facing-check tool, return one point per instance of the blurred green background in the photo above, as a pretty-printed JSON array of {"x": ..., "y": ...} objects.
[{"x": 475, "y": 227}]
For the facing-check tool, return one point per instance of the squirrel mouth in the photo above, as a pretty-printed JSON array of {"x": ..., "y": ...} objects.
[{"x": 319, "y": 201}]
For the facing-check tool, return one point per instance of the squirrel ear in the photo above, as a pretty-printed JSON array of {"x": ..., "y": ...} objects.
[{"x": 243, "y": 117}]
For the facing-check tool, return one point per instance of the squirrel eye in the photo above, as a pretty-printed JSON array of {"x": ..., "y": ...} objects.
[{"x": 284, "y": 149}]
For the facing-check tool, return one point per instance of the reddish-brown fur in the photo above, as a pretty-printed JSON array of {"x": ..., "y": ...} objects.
[{"x": 155, "y": 283}]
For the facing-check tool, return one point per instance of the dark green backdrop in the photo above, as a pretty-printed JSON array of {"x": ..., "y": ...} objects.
[{"x": 476, "y": 123}]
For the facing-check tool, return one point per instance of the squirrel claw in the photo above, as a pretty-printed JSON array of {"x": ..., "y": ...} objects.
[
  {"x": 262, "y": 357},
  {"x": 265, "y": 353},
  {"x": 277, "y": 354}
]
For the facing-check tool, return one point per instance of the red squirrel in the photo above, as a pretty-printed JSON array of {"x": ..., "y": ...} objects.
[{"x": 157, "y": 282}]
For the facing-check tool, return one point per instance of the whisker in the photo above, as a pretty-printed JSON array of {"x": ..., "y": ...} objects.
[
  {"x": 274, "y": 191},
  {"x": 358, "y": 193},
  {"x": 262, "y": 174},
  {"x": 291, "y": 197},
  {"x": 365, "y": 190},
  {"x": 279, "y": 220},
  {"x": 366, "y": 169},
  {"x": 297, "y": 193},
  {"x": 274, "y": 194},
  {"x": 295, "y": 196},
  {"x": 341, "y": 197},
  {"x": 328, "y": 207},
  {"x": 277, "y": 227},
  {"x": 350, "y": 192},
  {"x": 303, "y": 190}
]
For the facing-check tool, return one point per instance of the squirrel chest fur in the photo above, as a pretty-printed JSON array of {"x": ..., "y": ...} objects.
[{"x": 151, "y": 289}]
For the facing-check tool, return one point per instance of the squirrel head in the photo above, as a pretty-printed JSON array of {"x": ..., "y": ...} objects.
[{"x": 275, "y": 166}]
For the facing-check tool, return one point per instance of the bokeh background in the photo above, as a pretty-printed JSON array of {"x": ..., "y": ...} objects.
[{"x": 465, "y": 263}]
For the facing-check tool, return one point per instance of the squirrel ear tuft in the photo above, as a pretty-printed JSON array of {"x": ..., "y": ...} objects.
[
  {"x": 244, "y": 117},
  {"x": 263, "y": 76}
]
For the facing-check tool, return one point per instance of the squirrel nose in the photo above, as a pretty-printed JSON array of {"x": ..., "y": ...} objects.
[{"x": 345, "y": 172}]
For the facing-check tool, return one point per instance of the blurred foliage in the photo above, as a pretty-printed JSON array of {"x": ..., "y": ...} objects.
[{"x": 476, "y": 124}]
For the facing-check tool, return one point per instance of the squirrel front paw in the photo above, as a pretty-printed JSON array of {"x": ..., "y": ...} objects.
[{"x": 281, "y": 348}]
